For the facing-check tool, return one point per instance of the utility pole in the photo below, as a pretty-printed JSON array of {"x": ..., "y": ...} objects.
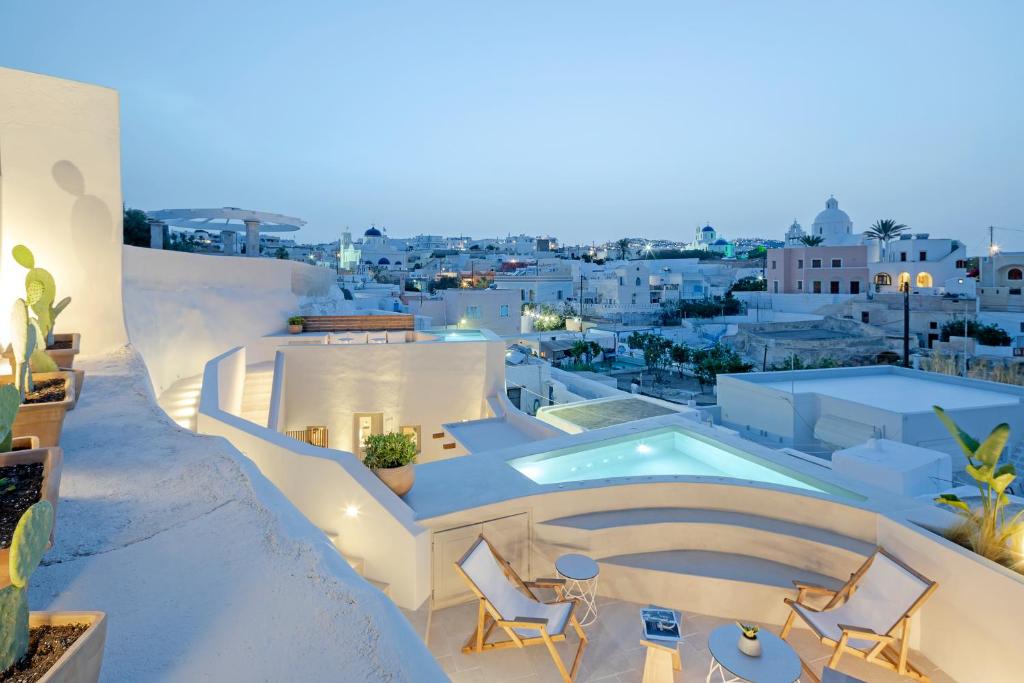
[
  {"x": 906, "y": 324},
  {"x": 991, "y": 240}
]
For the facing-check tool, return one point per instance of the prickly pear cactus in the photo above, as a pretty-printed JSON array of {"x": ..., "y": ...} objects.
[
  {"x": 40, "y": 361},
  {"x": 10, "y": 400},
  {"x": 40, "y": 292},
  {"x": 27, "y": 548},
  {"x": 23, "y": 343}
]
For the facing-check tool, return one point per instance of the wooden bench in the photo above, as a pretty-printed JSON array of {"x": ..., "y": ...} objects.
[{"x": 397, "y": 322}]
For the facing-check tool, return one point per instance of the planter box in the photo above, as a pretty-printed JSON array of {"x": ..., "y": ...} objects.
[
  {"x": 53, "y": 461},
  {"x": 45, "y": 420},
  {"x": 82, "y": 661},
  {"x": 65, "y": 358}
]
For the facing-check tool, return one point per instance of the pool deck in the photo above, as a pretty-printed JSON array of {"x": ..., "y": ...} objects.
[{"x": 486, "y": 477}]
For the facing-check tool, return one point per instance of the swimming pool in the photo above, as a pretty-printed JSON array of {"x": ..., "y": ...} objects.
[
  {"x": 663, "y": 452},
  {"x": 459, "y": 335}
]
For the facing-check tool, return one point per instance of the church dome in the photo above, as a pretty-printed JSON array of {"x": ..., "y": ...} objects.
[
  {"x": 372, "y": 232},
  {"x": 833, "y": 223},
  {"x": 721, "y": 242},
  {"x": 707, "y": 228}
]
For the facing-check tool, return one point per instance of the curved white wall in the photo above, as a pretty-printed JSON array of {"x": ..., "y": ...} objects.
[{"x": 60, "y": 194}]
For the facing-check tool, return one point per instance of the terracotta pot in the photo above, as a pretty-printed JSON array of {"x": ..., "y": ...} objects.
[
  {"x": 81, "y": 662},
  {"x": 65, "y": 358},
  {"x": 398, "y": 479},
  {"x": 53, "y": 462},
  {"x": 45, "y": 420},
  {"x": 294, "y": 329},
  {"x": 79, "y": 382}
]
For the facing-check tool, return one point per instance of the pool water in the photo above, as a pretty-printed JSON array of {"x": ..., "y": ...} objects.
[
  {"x": 657, "y": 453},
  {"x": 460, "y": 335}
]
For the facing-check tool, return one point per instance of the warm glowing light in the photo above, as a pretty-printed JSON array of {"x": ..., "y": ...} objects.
[
  {"x": 352, "y": 510},
  {"x": 994, "y": 249}
]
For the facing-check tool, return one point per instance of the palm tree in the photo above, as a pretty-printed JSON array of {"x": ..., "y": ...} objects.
[
  {"x": 623, "y": 247},
  {"x": 811, "y": 240},
  {"x": 884, "y": 230}
]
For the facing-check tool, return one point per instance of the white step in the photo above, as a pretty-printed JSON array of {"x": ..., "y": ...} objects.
[
  {"x": 181, "y": 401},
  {"x": 724, "y": 584},
  {"x": 259, "y": 382},
  {"x": 644, "y": 530}
]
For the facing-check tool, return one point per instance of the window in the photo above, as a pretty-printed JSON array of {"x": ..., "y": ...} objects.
[
  {"x": 364, "y": 425},
  {"x": 903, "y": 256},
  {"x": 775, "y": 286},
  {"x": 503, "y": 311},
  {"x": 773, "y": 265},
  {"x": 922, "y": 256},
  {"x": 933, "y": 325},
  {"x": 833, "y": 287},
  {"x": 1015, "y": 274},
  {"x": 960, "y": 263},
  {"x": 799, "y": 263},
  {"x": 904, "y": 281},
  {"x": 865, "y": 317},
  {"x": 837, "y": 263},
  {"x": 413, "y": 432},
  {"x": 559, "y": 295},
  {"x": 638, "y": 282},
  {"x": 924, "y": 279},
  {"x": 473, "y": 312},
  {"x": 883, "y": 279},
  {"x": 815, "y": 263},
  {"x": 854, "y": 286},
  {"x": 799, "y": 285},
  {"x": 816, "y": 287}
]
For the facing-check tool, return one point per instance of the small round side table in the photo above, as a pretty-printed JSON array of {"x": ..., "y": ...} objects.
[
  {"x": 580, "y": 574},
  {"x": 778, "y": 662}
]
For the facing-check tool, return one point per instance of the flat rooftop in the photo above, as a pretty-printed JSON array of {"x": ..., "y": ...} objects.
[
  {"x": 602, "y": 413},
  {"x": 809, "y": 334},
  {"x": 897, "y": 392}
]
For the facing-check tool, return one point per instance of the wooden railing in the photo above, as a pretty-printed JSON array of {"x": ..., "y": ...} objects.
[{"x": 358, "y": 323}]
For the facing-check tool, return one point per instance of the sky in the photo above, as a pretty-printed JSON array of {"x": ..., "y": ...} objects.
[{"x": 584, "y": 120}]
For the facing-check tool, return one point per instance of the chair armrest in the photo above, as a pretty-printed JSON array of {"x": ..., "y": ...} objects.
[
  {"x": 539, "y": 621},
  {"x": 791, "y": 602},
  {"x": 813, "y": 588},
  {"x": 546, "y": 583},
  {"x": 863, "y": 633}
]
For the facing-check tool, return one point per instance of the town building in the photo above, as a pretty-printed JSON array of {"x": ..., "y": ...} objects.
[
  {"x": 841, "y": 269},
  {"x": 927, "y": 265},
  {"x": 498, "y": 310},
  {"x": 1001, "y": 282}
]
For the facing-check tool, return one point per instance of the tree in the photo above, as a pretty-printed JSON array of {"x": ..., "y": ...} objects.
[
  {"x": 989, "y": 335},
  {"x": 710, "y": 362},
  {"x": 546, "y": 317},
  {"x": 749, "y": 284},
  {"x": 656, "y": 351},
  {"x": 623, "y": 246},
  {"x": 811, "y": 240},
  {"x": 281, "y": 253},
  {"x": 443, "y": 282},
  {"x": 885, "y": 230},
  {"x": 136, "y": 228}
]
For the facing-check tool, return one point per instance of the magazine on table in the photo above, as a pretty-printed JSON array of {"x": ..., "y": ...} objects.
[{"x": 660, "y": 624}]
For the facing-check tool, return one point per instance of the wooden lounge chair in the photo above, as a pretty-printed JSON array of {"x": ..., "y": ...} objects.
[
  {"x": 506, "y": 601},
  {"x": 864, "y": 616}
]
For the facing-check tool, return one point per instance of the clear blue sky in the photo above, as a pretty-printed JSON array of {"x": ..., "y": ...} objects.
[{"x": 587, "y": 120}]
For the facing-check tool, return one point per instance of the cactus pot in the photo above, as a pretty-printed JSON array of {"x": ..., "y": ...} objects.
[
  {"x": 81, "y": 662},
  {"x": 65, "y": 358},
  {"x": 45, "y": 420},
  {"x": 294, "y": 329},
  {"x": 79, "y": 381},
  {"x": 53, "y": 462},
  {"x": 398, "y": 479}
]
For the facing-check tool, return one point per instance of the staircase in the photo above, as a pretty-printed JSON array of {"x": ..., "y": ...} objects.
[
  {"x": 259, "y": 380},
  {"x": 359, "y": 566},
  {"x": 181, "y": 401},
  {"x": 731, "y": 564}
]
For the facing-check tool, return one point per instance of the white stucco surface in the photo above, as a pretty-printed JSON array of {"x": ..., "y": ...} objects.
[
  {"x": 60, "y": 195},
  {"x": 205, "y": 570},
  {"x": 897, "y": 393}
]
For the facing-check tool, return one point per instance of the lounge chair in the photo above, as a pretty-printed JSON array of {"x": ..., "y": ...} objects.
[
  {"x": 506, "y": 601},
  {"x": 863, "y": 617}
]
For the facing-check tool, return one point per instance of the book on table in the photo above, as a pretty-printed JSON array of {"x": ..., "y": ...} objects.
[{"x": 660, "y": 624}]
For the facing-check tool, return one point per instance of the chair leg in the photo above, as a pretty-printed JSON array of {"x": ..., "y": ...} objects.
[
  {"x": 476, "y": 639},
  {"x": 833, "y": 661},
  {"x": 788, "y": 625},
  {"x": 555, "y": 656}
]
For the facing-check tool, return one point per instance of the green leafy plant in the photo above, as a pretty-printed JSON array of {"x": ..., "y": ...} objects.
[
  {"x": 296, "y": 320},
  {"x": 387, "y": 451},
  {"x": 27, "y": 547},
  {"x": 812, "y": 240},
  {"x": 987, "y": 530},
  {"x": 749, "y": 630},
  {"x": 40, "y": 292}
]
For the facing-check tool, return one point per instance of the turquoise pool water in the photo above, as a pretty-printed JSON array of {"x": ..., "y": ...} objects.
[
  {"x": 658, "y": 453},
  {"x": 459, "y": 335}
]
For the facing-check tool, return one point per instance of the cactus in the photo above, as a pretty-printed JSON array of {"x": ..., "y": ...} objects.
[
  {"x": 23, "y": 343},
  {"x": 10, "y": 400},
  {"x": 27, "y": 547},
  {"x": 40, "y": 292}
]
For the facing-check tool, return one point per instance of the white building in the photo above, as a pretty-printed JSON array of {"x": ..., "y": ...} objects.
[
  {"x": 497, "y": 310},
  {"x": 551, "y": 282},
  {"x": 1001, "y": 282},
  {"x": 834, "y": 226},
  {"x": 794, "y": 235},
  {"x": 929, "y": 265},
  {"x": 377, "y": 249}
]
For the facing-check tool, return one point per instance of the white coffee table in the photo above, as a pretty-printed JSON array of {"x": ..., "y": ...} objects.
[
  {"x": 580, "y": 574},
  {"x": 778, "y": 662}
]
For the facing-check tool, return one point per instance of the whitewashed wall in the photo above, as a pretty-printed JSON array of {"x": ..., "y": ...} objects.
[{"x": 60, "y": 194}]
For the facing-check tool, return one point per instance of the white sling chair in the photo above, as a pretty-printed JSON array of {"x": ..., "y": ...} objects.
[
  {"x": 506, "y": 601},
  {"x": 863, "y": 617}
]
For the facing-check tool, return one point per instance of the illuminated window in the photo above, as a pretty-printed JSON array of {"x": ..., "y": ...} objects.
[
  {"x": 924, "y": 279},
  {"x": 903, "y": 280},
  {"x": 883, "y": 279}
]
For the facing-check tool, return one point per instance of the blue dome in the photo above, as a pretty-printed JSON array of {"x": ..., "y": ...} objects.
[
  {"x": 372, "y": 232},
  {"x": 721, "y": 242},
  {"x": 707, "y": 228},
  {"x": 382, "y": 261}
]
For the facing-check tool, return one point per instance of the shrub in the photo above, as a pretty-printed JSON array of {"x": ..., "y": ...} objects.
[
  {"x": 387, "y": 451},
  {"x": 750, "y": 284},
  {"x": 296, "y": 320},
  {"x": 989, "y": 335}
]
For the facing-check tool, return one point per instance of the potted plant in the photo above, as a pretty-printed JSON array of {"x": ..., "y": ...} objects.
[
  {"x": 79, "y": 635},
  {"x": 391, "y": 457},
  {"x": 987, "y": 530},
  {"x": 748, "y": 643},
  {"x": 295, "y": 324},
  {"x": 28, "y": 474},
  {"x": 41, "y": 293},
  {"x": 45, "y": 392}
]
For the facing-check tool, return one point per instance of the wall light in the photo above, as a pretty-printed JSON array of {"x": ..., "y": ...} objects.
[{"x": 352, "y": 510}]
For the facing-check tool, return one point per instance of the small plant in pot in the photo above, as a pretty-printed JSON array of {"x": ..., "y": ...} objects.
[
  {"x": 41, "y": 295},
  {"x": 748, "y": 643},
  {"x": 391, "y": 457},
  {"x": 295, "y": 324},
  {"x": 986, "y": 529},
  {"x": 30, "y": 640},
  {"x": 45, "y": 392}
]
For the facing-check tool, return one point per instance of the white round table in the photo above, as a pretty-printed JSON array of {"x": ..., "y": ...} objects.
[
  {"x": 580, "y": 574},
  {"x": 778, "y": 662}
]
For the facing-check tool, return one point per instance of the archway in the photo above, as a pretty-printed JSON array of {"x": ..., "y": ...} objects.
[{"x": 924, "y": 279}]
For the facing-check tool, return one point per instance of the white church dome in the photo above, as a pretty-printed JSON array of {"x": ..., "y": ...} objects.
[{"x": 833, "y": 223}]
